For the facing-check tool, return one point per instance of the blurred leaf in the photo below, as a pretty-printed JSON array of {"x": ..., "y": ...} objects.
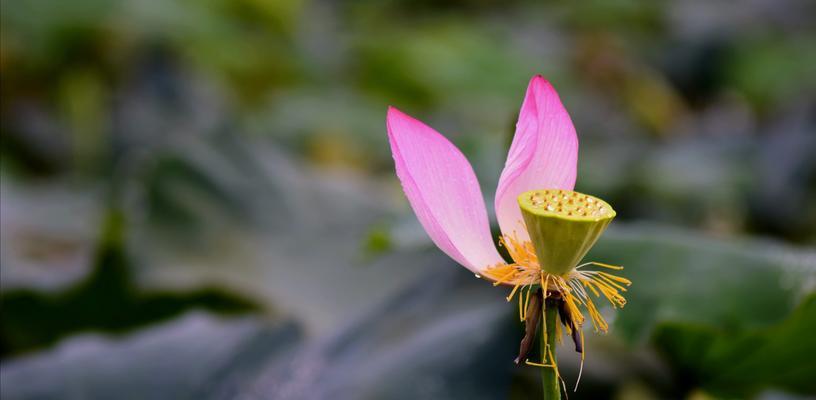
[
  {"x": 197, "y": 356},
  {"x": 743, "y": 363},
  {"x": 440, "y": 338},
  {"x": 443, "y": 61},
  {"x": 178, "y": 188},
  {"x": 106, "y": 300},
  {"x": 446, "y": 337},
  {"x": 636, "y": 16},
  {"x": 679, "y": 277},
  {"x": 82, "y": 97},
  {"x": 51, "y": 33},
  {"x": 768, "y": 71}
]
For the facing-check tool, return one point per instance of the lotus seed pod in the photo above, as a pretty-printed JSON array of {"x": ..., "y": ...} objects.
[{"x": 563, "y": 226}]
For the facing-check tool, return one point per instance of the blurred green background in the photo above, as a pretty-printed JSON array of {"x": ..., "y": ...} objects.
[{"x": 198, "y": 197}]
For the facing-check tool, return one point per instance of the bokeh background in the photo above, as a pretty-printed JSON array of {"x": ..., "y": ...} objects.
[{"x": 198, "y": 198}]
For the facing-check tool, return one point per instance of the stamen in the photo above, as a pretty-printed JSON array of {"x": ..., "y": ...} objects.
[
  {"x": 527, "y": 300},
  {"x": 597, "y": 320},
  {"x": 521, "y": 311},
  {"x": 554, "y": 363},
  {"x": 610, "y": 266},
  {"x": 512, "y": 293},
  {"x": 544, "y": 282},
  {"x": 544, "y": 334},
  {"x": 535, "y": 364},
  {"x": 616, "y": 278},
  {"x": 595, "y": 292},
  {"x": 611, "y": 283},
  {"x": 580, "y": 369},
  {"x": 575, "y": 313},
  {"x": 502, "y": 279}
]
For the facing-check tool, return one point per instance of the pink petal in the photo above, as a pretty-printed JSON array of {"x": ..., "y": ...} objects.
[
  {"x": 443, "y": 191},
  {"x": 543, "y": 155}
]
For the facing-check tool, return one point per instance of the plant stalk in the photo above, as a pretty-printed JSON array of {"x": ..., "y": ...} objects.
[{"x": 549, "y": 376}]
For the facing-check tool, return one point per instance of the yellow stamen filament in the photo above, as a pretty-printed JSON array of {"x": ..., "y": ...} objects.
[
  {"x": 544, "y": 320},
  {"x": 512, "y": 293},
  {"x": 535, "y": 364},
  {"x": 610, "y": 266},
  {"x": 504, "y": 277},
  {"x": 527, "y": 301},
  {"x": 555, "y": 367},
  {"x": 615, "y": 278},
  {"x": 521, "y": 309}
]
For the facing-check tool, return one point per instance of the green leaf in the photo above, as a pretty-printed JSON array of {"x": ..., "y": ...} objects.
[
  {"x": 442, "y": 338},
  {"x": 730, "y": 285},
  {"x": 198, "y": 356},
  {"x": 742, "y": 364},
  {"x": 107, "y": 300}
]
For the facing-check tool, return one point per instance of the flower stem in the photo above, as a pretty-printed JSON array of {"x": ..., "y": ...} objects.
[{"x": 549, "y": 375}]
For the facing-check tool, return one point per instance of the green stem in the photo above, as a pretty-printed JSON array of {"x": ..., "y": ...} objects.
[{"x": 549, "y": 377}]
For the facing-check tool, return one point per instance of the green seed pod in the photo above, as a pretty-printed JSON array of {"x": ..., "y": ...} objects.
[{"x": 563, "y": 226}]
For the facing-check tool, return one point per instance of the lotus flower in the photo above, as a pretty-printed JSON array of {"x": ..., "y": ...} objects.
[{"x": 546, "y": 227}]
